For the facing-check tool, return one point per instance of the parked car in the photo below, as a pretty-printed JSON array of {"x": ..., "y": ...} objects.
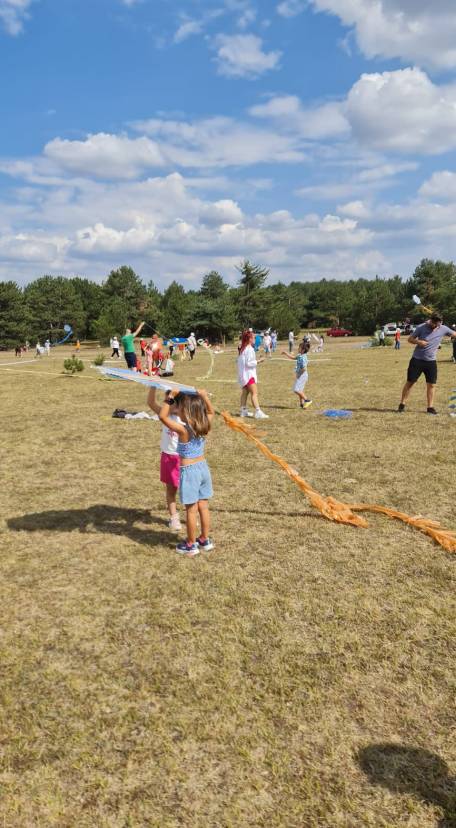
[
  {"x": 391, "y": 328},
  {"x": 339, "y": 332}
]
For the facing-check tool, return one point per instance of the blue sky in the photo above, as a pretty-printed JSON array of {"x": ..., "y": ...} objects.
[{"x": 315, "y": 137}]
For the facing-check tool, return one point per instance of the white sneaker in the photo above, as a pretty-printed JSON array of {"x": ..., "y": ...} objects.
[
  {"x": 260, "y": 415},
  {"x": 245, "y": 413},
  {"x": 174, "y": 523}
]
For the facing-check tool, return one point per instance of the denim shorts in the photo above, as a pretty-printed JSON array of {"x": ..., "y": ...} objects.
[{"x": 195, "y": 483}]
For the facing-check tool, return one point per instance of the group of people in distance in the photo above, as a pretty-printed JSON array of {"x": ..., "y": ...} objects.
[{"x": 158, "y": 362}]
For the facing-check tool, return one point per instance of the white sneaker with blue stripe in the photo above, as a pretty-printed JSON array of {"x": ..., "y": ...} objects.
[{"x": 188, "y": 549}]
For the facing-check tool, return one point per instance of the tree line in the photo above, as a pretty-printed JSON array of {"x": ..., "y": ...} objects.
[{"x": 217, "y": 310}]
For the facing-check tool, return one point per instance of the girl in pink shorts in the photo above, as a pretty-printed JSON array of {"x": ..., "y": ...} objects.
[{"x": 169, "y": 464}]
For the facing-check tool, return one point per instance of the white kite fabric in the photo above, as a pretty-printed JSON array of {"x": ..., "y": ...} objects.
[{"x": 162, "y": 384}]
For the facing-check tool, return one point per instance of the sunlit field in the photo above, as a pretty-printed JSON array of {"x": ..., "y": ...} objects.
[{"x": 300, "y": 675}]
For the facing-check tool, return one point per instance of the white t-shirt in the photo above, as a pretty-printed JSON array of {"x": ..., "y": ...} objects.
[
  {"x": 291, "y": 337},
  {"x": 267, "y": 341},
  {"x": 169, "y": 438},
  {"x": 246, "y": 364},
  {"x": 191, "y": 343}
]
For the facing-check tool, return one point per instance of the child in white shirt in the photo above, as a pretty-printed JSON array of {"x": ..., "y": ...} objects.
[
  {"x": 247, "y": 375},
  {"x": 169, "y": 463}
]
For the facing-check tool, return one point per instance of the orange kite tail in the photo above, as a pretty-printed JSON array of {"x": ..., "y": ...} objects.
[
  {"x": 328, "y": 506},
  {"x": 444, "y": 537}
]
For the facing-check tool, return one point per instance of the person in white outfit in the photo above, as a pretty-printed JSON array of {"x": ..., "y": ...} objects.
[{"x": 247, "y": 376}]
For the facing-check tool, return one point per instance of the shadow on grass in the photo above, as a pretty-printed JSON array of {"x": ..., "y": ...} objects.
[
  {"x": 104, "y": 519},
  {"x": 378, "y": 410},
  {"x": 269, "y": 513},
  {"x": 410, "y": 770}
]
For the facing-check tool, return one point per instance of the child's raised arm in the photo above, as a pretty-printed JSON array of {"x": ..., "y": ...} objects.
[
  {"x": 210, "y": 408},
  {"x": 152, "y": 400},
  {"x": 164, "y": 414},
  {"x": 288, "y": 356}
]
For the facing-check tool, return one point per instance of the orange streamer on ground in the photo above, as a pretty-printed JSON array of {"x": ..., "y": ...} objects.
[
  {"x": 444, "y": 537},
  {"x": 343, "y": 512},
  {"x": 328, "y": 506}
]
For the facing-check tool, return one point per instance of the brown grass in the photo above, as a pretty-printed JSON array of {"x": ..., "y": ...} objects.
[{"x": 301, "y": 675}]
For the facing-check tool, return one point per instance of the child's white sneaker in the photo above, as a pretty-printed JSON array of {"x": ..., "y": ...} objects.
[
  {"x": 244, "y": 412},
  {"x": 174, "y": 523},
  {"x": 260, "y": 415}
]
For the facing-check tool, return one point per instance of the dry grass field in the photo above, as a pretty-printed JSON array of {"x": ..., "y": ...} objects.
[{"x": 301, "y": 675}]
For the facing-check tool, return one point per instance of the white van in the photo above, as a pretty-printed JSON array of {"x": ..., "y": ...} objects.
[{"x": 391, "y": 328}]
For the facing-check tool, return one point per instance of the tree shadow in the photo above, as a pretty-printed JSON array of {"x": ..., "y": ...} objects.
[
  {"x": 101, "y": 518},
  {"x": 409, "y": 770}
]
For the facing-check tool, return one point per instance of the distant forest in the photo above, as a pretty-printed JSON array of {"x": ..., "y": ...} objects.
[{"x": 218, "y": 310}]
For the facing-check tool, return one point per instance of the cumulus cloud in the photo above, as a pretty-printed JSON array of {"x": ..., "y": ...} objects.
[
  {"x": 402, "y": 111},
  {"x": 242, "y": 56},
  {"x": 105, "y": 156},
  {"x": 38, "y": 248},
  {"x": 441, "y": 186},
  {"x": 13, "y": 13},
  {"x": 414, "y": 30},
  {"x": 95, "y": 223}
]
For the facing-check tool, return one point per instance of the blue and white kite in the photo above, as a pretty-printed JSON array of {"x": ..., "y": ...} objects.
[
  {"x": 161, "y": 383},
  {"x": 68, "y": 332}
]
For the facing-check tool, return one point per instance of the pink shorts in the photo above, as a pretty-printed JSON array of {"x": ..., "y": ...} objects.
[
  {"x": 251, "y": 381},
  {"x": 169, "y": 469}
]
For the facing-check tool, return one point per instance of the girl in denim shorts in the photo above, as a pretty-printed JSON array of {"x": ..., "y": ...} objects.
[{"x": 195, "y": 413}]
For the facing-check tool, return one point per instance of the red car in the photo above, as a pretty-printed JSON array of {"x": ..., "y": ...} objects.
[{"x": 339, "y": 332}]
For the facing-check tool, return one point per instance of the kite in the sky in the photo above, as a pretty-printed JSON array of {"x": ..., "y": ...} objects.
[{"x": 68, "y": 332}]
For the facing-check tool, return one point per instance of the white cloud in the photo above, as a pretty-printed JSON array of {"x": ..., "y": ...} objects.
[
  {"x": 441, "y": 186},
  {"x": 318, "y": 122},
  {"x": 291, "y": 8},
  {"x": 403, "y": 111},
  {"x": 188, "y": 28},
  {"x": 242, "y": 56},
  {"x": 13, "y": 13},
  {"x": 221, "y": 142},
  {"x": 38, "y": 248},
  {"x": 354, "y": 209},
  {"x": 415, "y": 30},
  {"x": 105, "y": 156}
]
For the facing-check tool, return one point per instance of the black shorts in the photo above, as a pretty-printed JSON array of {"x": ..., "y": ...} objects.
[
  {"x": 130, "y": 358},
  {"x": 422, "y": 366}
]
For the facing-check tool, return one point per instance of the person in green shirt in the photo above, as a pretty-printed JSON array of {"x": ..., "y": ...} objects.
[{"x": 128, "y": 344}]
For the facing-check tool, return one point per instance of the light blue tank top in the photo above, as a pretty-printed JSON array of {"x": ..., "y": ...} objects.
[{"x": 194, "y": 447}]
